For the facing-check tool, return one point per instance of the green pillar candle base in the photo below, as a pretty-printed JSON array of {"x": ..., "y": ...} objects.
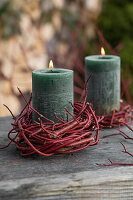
[
  {"x": 103, "y": 89},
  {"x": 52, "y": 91}
]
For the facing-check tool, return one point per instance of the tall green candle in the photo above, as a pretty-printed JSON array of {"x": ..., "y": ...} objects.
[
  {"x": 103, "y": 89},
  {"x": 52, "y": 91}
]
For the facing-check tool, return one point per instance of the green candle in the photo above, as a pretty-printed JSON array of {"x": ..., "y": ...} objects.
[
  {"x": 103, "y": 90},
  {"x": 52, "y": 91}
]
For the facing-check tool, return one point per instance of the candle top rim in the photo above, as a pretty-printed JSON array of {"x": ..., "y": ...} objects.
[
  {"x": 103, "y": 58},
  {"x": 52, "y": 72}
]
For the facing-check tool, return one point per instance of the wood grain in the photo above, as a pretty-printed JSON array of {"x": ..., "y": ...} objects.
[{"x": 70, "y": 176}]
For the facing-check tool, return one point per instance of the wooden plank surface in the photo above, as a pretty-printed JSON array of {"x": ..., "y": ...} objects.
[{"x": 70, "y": 176}]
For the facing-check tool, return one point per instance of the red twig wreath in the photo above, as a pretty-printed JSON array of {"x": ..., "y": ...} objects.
[{"x": 48, "y": 138}]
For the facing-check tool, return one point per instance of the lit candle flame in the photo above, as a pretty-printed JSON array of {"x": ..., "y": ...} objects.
[
  {"x": 102, "y": 51},
  {"x": 51, "y": 66}
]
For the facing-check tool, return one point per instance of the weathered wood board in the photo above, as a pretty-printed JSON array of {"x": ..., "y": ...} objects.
[{"x": 70, "y": 176}]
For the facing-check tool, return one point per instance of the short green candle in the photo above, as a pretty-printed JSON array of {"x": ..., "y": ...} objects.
[
  {"x": 52, "y": 91},
  {"x": 103, "y": 89}
]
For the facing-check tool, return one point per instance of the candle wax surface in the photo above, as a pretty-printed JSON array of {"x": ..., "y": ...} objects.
[
  {"x": 52, "y": 91},
  {"x": 103, "y": 89}
]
